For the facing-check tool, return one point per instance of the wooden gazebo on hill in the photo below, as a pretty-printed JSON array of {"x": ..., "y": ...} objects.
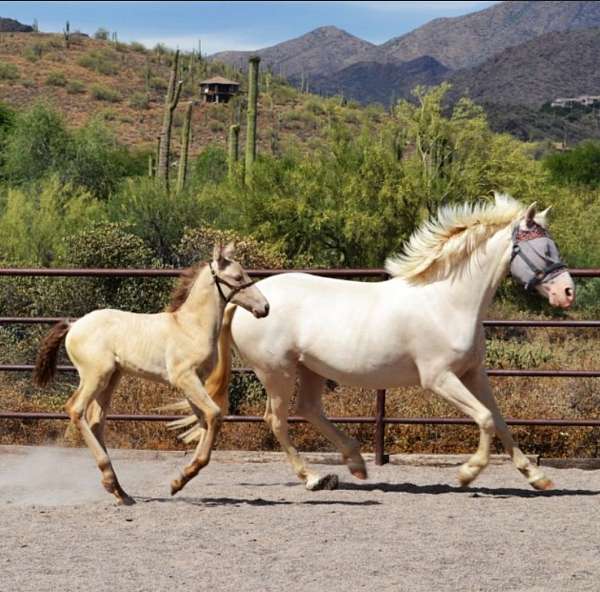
[{"x": 218, "y": 89}]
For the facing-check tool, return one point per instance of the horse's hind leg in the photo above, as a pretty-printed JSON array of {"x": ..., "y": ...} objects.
[
  {"x": 478, "y": 383},
  {"x": 280, "y": 388},
  {"x": 92, "y": 386},
  {"x": 309, "y": 406}
]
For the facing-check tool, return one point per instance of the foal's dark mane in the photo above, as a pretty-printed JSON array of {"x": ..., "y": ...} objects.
[{"x": 182, "y": 290}]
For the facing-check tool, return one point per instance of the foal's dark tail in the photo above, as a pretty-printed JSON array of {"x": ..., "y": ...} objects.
[{"x": 45, "y": 365}]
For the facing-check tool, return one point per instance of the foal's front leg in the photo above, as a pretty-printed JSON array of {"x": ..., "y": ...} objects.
[{"x": 206, "y": 411}]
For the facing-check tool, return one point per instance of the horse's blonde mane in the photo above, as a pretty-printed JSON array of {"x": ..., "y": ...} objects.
[{"x": 443, "y": 243}]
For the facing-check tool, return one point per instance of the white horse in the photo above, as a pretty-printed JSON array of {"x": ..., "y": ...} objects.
[
  {"x": 176, "y": 347},
  {"x": 422, "y": 327}
]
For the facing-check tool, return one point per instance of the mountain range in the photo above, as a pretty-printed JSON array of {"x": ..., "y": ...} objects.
[{"x": 518, "y": 52}]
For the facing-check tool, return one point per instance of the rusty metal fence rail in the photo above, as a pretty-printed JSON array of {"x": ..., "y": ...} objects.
[{"x": 379, "y": 420}]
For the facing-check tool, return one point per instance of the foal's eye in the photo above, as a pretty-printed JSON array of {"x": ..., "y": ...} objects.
[{"x": 238, "y": 278}]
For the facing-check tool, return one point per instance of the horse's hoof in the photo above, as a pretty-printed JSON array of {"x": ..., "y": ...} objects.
[
  {"x": 359, "y": 473},
  {"x": 467, "y": 474},
  {"x": 542, "y": 484},
  {"x": 328, "y": 482},
  {"x": 176, "y": 485}
]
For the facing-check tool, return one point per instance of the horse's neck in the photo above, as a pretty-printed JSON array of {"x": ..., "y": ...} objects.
[
  {"x": 473, "y": 288},
  {"x": 203, "y": 308}
]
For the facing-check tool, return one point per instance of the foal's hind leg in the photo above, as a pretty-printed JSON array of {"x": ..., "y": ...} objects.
[
  {"x": 478, "y": 383},
  {"x": 91, "y": 387},
  {"x": 98, "y": 408},
  {"x": 309, "y": 406}
]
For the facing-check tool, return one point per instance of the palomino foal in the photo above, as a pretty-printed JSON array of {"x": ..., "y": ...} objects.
[
  {"x": 422, "y": 327},
  {"x": 177, "y": 347}
]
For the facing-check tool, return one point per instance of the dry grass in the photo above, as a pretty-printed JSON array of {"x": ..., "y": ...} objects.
[{"x": 517, "y": 397}]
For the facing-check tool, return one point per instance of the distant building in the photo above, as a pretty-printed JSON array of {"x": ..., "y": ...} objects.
[
  {"x": 584, "y": 100},
  {"x": 218, "y": 89}
]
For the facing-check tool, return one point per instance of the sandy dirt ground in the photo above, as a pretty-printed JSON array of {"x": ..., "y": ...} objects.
[{"x": 251, "y": 526}]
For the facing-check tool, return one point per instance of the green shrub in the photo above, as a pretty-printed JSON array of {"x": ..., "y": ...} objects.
[
  {"x": 210, "y": 166},
  {"x": 197, "y": 245},
  {"x": 580, "y": 166},
  {"x": 103, "y": 93},
  {"x": 157, "y": 83},
  {"x": 216, "y": 126},
  {"x": 139, "y": 100},
  {"x": 139, "y": 47},
  {"x": 56, "y": 79},
  {"x": 34, "y": 52},
  {"x": 104, "y": 61},
  {"x": 155, "y": 215},
  {"x": 8, "y": 71},
  {"x": 75, "y": 87},
  {"x": 36, "y": 145},
  {"x": 37, "y": 217}
]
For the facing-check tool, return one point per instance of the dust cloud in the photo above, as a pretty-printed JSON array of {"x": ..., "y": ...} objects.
[{"x": 48, "y": 477}]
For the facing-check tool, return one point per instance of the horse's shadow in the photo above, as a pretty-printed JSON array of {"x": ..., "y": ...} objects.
[
  {"x": 500, "y": 492},
  {"x": 207, "y": 502}
]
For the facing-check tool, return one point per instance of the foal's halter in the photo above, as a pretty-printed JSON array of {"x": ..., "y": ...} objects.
[
  {"x": 540, "y": 274},
  {"x": 233, "y": 290}
]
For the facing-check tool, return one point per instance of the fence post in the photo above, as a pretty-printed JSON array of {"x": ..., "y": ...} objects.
[{"x": 380, "y": 457}]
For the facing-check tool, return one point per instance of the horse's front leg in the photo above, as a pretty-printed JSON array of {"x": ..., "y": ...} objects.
[
  {"x": 478, "y": 383},
  {"x": 450, "y": 387},
  {"x": 206, "y": 411}
]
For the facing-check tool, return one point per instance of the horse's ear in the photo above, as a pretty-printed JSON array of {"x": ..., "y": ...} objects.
[
  {"x": 530, "y": 215},
  {"x": 542, "y": 217},
  {"x": 228, "y": 251}
]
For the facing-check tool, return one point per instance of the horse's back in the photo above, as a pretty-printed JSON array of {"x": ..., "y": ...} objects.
[{"x": 348, "y": 331}]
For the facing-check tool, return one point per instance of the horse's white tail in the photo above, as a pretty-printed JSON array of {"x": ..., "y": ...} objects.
[{"x": 217, "y": 386}]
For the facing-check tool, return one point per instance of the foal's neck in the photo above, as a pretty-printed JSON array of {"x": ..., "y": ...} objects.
[{"x": 203, "y": 307}]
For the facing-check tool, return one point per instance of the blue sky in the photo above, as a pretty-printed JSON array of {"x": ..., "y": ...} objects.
[{"x": 234, "y": 25}]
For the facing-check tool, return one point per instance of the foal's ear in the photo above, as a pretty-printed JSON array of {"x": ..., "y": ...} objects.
[
  {"x": 228, "y": 251},
  {"x": 217, "y": 252},
  {"x": 530, "y": 215}
]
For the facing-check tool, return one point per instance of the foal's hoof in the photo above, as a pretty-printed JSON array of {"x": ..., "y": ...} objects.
[
  {"x": 176, "y": 485},
  {"x": 359, "y": 473},
  {"x": 125, "y": 500},
  {"x": 320, "y": 483},
  {"x": 542, "y": 484}
]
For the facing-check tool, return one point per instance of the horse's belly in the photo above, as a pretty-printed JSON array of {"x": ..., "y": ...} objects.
[{"x": 400, "y": 372}]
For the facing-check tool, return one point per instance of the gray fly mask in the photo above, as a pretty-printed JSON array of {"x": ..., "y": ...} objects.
[{"x": 535, "y": 258}]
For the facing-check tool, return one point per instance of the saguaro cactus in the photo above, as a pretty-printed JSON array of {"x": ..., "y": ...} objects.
[
  {"x": 252, "y": 111},
  {"x": 234, "y": 144},
  {"x": 67, "y": 35},
  {"x": 171, "y": 100},
  {"x": 185, "y": 145}
]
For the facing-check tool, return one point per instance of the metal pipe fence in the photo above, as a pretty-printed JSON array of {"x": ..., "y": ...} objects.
[{"x": 379, "y": 420}]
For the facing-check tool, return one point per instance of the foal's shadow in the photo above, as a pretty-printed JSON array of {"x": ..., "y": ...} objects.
[{"x": 499, "y": 492}]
